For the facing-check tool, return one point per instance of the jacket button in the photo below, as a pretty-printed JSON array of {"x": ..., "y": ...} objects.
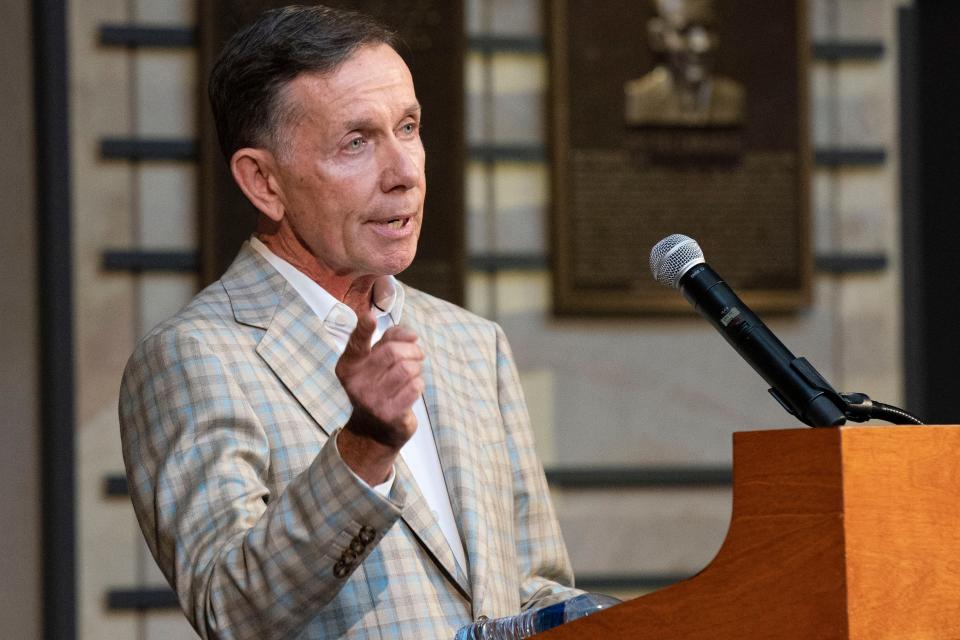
[
  {"x": 367, "y": 535},
  {"x": 348, "y": 557},
  {"x": 356, "y": 546},
  {"x": 341, "y": 570}
]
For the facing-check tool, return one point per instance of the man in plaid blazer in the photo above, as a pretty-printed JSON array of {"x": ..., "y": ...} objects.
[{"x": 267, "y": 428}]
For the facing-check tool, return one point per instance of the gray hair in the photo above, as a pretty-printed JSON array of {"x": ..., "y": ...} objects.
[{"x": 250, "y": 76}]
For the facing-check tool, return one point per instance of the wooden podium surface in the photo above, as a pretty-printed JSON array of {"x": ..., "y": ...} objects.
[{"x": 849, "y": 533}]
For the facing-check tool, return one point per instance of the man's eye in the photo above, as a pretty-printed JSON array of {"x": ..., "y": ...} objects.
[
  {"x": 356, "y": 144},
  {"x": 409, "y": 128}
]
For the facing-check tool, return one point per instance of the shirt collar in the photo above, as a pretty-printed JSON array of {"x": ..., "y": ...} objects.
[{"x": 387, "y": 295}]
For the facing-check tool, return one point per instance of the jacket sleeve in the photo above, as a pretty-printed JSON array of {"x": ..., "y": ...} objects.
[
  {"x": 245, "y": 562},
  {"x": 545, "y": 572}
]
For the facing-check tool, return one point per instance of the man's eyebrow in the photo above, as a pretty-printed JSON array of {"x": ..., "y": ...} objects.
[{"x": 363, "y": 124}]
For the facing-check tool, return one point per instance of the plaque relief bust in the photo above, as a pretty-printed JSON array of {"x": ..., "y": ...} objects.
[{"x": 683, "y": 90}]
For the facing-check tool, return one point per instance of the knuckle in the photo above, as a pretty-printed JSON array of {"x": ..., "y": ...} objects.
[{"x": 387, "y": 353}]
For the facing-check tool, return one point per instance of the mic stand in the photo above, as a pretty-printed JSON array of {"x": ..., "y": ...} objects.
[
  {"x": 830, "y": 408},
  {"x": 861, "y": 408}
]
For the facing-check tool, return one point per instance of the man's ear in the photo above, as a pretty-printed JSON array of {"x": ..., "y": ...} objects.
[{"x": 255, "y": 171}]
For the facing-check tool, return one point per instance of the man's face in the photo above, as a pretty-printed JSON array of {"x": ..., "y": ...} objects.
[
  {"x": 685, "y": 34},
  {"x": 352, "y": 179}
]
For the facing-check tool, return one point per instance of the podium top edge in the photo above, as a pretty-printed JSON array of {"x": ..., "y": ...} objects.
[{"x": 846, "y": 429}]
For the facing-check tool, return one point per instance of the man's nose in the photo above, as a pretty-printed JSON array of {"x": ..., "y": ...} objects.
[{"x": 401, "y": 164}]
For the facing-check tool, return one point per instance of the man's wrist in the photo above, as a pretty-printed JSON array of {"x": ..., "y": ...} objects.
[
  {"x": 370, "y": 460},
  {"x": 364, "y": 424}
]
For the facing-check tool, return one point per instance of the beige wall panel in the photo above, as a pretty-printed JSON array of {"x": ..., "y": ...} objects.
[
  {"x": 519, "y": 73},
  {"x": 107, "y": 532},
  {"x": 513, "y": 17},
  {"x": 166, "y": 93},
  {"x": 519, "y": 86},
  {"x": 503, "y": 17},
  {"x": 824, "y": 192},
  {"x": 871, "y": 336},
  {"x": 865, "y": 19},
  {"x": 538, "y": 389},
  {"x": 478, "y": 117},
  {"x": 149, "y": 573},
  {"x": 473, "y": 76},
  {"x": 867, "y": 96},
  {"x": 162, "y": 295},
  {"x": 167, "y": 205},
  {"x": 478, "y": 225},
  {"x": 850, "y": 19},
  {"x": 643, "y": 530},
  {"x": 867, "y": 206},
  {"x": 168, "y": 625},
  {"x": 162, "y": 624},
  {"x": 852, "y": 104},
  {"x": 824, "y": 116},
  {"x": 477, "y": 294},
  {"x": 520, "y": 292},
  {"x": 104, "y": 310},
  {"x": 167, "y": 12},
  {"x": 515, "y": 112},
  {"x": 522, "y": 193},
  {"x": 102, "y": 203}
]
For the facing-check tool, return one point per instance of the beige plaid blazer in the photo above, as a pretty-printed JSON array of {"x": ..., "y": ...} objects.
[{"x": 226, "y": 415}]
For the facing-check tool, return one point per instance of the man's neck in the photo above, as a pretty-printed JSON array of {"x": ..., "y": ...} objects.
[{"x": 354, "y": 291}]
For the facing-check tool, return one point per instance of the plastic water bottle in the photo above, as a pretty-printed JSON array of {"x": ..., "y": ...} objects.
[{"x": 524, "y": 625}]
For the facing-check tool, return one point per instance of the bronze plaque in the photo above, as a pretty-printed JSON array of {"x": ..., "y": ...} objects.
[
  {"x": 432, "y": 44},
  {"x": 678, "y": 116}
]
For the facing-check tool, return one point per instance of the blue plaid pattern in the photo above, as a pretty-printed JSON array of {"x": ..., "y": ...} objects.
[{"x": 227, "y": 412}]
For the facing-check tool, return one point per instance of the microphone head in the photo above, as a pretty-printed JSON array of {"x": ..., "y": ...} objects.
[{"x": 672, "y": 257}]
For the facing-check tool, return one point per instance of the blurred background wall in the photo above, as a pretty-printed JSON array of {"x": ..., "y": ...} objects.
[
  {"x": 633, "y": 417},
  {"x": 20, "y": 578}
]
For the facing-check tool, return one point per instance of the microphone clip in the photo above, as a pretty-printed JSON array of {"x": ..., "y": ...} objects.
[
  {"x": 824, "y": 406},
  {"x": 828, "y": 408}
]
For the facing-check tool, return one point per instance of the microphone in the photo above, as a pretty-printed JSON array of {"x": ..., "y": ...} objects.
[{"x": 677, "y": 261}]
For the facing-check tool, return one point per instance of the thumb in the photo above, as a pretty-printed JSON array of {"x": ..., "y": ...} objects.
[{"x": 359, "y": 343}]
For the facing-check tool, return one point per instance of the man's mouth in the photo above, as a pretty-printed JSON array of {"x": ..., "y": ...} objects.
[
  {"x": 396, "y": 223},
  {"x": 395, "y": 227}
]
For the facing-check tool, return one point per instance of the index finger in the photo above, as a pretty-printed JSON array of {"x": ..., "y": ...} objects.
[{"x": 359, "y": 342}]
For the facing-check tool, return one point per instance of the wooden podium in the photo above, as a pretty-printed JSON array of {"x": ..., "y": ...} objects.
[{"x": 849, "y": 533}]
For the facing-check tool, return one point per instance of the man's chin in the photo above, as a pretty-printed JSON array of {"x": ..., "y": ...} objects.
[{"x": 398, "y": 265}]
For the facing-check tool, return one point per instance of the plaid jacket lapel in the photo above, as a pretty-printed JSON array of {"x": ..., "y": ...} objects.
[
  {"x": 418, "y": 516},
  {"x": 452, "y": 430},
  {"x": 295, "y": 344},
  {"x": 416, "y": 513}
]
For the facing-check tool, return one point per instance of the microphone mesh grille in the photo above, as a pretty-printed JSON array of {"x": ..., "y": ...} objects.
[{"x": 672, "y": 257}]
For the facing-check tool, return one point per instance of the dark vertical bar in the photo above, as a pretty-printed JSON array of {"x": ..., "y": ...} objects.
[
  {"x": 938, "y": 103},
  {"x": 56, "y": 335},
  {"x": 914, "y": 367}
]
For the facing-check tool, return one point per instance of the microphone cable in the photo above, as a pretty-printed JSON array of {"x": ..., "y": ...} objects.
[{"x": 861, "y": 408}]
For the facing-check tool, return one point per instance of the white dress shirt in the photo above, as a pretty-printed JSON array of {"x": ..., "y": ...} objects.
[{"x": 420, "y": 452}]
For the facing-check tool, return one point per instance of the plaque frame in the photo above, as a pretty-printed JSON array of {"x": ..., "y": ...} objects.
[{"x": 569, "y": 299}]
